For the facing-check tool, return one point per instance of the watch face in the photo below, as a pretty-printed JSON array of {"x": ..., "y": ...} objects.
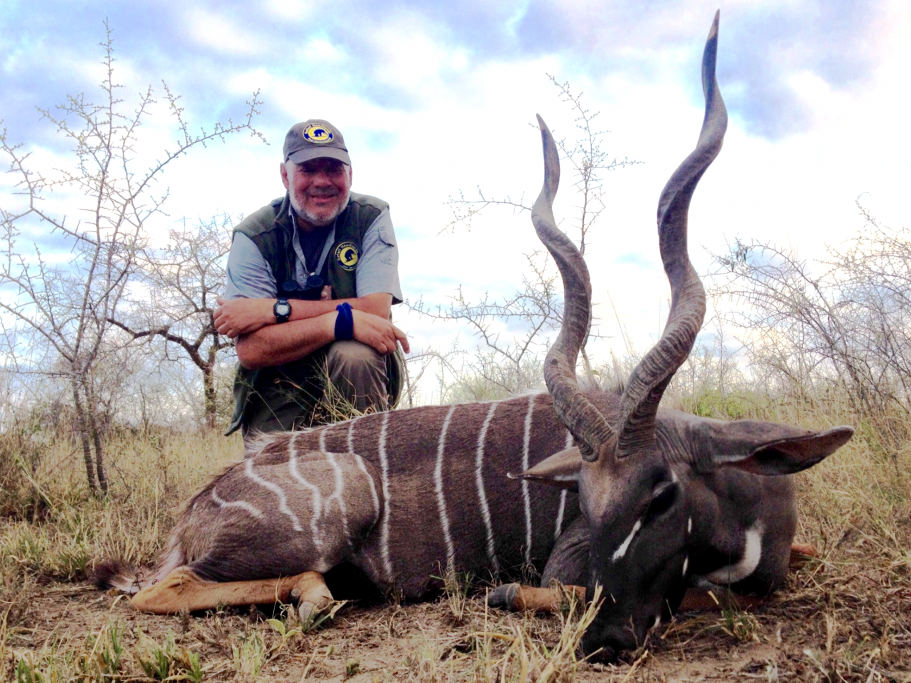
[{"x": 282, "y": 309}]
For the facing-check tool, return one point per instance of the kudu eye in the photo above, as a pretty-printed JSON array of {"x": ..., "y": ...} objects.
[{"x": 664, "y": 496}]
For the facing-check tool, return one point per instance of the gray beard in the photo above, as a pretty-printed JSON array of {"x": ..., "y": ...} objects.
[{"x": 313, "y": 219}]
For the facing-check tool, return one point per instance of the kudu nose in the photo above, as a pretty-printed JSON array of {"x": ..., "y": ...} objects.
[{"x": 606, "y": 643}]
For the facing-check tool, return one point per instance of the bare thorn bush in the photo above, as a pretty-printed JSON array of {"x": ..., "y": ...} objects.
[
  {"x": 512, "y": 334},
  {"x": 56, "y": 314}
]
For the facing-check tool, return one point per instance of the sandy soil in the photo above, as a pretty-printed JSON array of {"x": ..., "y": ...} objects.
[{"x": 791, "y": 637}]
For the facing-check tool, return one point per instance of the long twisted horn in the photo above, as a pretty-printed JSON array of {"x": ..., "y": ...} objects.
[
  {"x": 580, "y": 416},
  {"x": 639, "y": 404}
]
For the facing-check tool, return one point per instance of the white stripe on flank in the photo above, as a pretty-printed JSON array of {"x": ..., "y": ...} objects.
[
  {"x": 752, "y": 553},
  {"x": 482, "y": 495},
  {"x": 621, "y": 551},
  {"x": 526, "y": 496},
  {"x": 313, "y": 489},
  {"x": 276, "y": 489},
  {"x": 441, "y": 500},
  {"x": 562, "y": 509},
  {"x": 242, "y": 504},
  {"x": 384, "y": 473},
  {"x": 339, "y": 486},
  {"x": 363, "y": 467}
]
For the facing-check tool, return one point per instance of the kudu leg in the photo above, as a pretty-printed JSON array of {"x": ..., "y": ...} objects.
[
  {"x": 184, "y": 590},
  {"x": 518, "y": 598},
  {"x": 801, "y": 553}
]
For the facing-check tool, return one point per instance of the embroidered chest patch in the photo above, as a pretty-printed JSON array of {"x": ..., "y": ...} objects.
[{"x": 346, "y": 255}]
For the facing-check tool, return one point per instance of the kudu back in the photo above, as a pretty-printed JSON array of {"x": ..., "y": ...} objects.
[{"x": 609, "y": 489}]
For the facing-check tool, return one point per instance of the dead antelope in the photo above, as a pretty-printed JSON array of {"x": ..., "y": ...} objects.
[{"x": 641, "y": 501}]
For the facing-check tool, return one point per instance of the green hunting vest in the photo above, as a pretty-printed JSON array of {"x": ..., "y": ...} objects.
[{"x": 272, "y": 229}]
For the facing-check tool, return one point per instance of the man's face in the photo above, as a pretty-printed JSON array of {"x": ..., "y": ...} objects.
[{"x": 318, "y": 188}]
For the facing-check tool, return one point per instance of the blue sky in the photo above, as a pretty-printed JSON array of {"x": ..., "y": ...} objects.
[{"x": 434, "y": 98}]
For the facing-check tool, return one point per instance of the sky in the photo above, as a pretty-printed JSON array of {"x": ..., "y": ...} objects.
[{"x": 437, "y": 98}]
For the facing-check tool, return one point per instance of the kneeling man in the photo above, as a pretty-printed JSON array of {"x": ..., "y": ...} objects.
[{"x": 311, "y": 281}]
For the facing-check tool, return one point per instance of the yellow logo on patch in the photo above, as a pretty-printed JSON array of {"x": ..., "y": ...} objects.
[
  {"x": 318, "y": 134},
  {"x": 346, "y": 255}
]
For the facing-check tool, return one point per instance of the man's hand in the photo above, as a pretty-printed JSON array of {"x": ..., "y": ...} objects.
[
  {"x": 378, "y": 333},
  {"x": 243, "y": 316}
]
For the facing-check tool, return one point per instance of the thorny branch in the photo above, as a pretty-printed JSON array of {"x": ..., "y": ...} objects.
[
  {"x": 536, "y": 308},
  {"x": 69, "y": 305},
  {"x": 842, "y": 323},
  {"x": 182, "y": 282},
  {"x": 585, "y": 155}
]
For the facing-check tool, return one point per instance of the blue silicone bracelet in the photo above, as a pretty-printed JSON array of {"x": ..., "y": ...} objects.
[{"x": 344, "y": 323}]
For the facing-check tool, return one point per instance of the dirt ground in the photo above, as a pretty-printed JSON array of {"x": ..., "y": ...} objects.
[{"x": 798, "y": 635}]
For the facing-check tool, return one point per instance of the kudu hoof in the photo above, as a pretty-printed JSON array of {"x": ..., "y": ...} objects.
[
  {"x": 503, "y": 596},
  {"x": 307, "y": 611},
  {"x": 311, "y": 595}
]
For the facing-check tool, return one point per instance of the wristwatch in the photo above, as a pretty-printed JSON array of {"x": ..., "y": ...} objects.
[{"x": 282, "y": 310}]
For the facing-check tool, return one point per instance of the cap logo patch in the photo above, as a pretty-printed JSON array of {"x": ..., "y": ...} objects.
[
  {"x": 346, "y": 255},
  {"x": 317, "y": 134}
]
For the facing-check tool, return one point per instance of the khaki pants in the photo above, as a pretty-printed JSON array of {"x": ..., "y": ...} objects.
[{"x": 296, "y": 395}]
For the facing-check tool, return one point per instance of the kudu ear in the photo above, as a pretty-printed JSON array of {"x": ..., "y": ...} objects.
[
  {"x": 560, "y": 470},
  {"x": 769, "y": 449}
]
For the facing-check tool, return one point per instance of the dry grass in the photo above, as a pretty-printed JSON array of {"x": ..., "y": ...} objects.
[{"x": 846, "y": 617}]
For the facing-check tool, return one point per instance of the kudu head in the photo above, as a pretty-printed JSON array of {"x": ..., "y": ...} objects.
[{"x": 637, "y": 499}]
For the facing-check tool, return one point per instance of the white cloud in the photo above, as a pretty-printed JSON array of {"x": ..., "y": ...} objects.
[
  {"x": 219, "y": 33},
  {"x": 462, "y": 121},
  {"x": 321, "y": 50},
  {"x": 291, "y": 10}
]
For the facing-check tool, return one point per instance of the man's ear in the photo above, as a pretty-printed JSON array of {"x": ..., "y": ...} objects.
[
  {"x": 767, "y": 448},
  {"x": 560, "y": 470},
  {"x": 284, "y": 172}
]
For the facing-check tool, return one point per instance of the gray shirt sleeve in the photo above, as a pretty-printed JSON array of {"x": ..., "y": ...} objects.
[
  {"x": 378, "y": 265},
  {"x": 249, "y": 275}
]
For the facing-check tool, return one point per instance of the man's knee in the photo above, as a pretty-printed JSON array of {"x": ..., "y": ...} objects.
[
  {"x": 350, "y": 355},
  {"x": 359, "y": 374}
]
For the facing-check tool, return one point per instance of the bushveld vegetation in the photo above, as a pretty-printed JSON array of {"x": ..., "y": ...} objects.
[
  {"x": 823, "y": 344},
  {"x": 844, "y": 617}
]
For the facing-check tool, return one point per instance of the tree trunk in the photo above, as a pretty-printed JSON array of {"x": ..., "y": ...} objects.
[
  {"x": 208, "y": 388},
  {"x": 84, "y": 435},
  {"x": 96, "y": 436}
]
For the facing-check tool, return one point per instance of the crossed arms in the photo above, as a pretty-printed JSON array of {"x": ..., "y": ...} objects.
[{"x": 260, "y": 342}]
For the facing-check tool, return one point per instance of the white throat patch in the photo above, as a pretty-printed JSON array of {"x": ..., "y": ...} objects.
[{"x": 752, "y": 553}]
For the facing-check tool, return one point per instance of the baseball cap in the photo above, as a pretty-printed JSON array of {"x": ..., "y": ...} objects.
[{"x": 314, "y": 139}]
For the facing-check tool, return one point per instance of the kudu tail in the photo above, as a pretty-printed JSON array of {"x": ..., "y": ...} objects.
[
  {"x": 130, "y": 580},
  {"x": 118, "y": 574}
]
